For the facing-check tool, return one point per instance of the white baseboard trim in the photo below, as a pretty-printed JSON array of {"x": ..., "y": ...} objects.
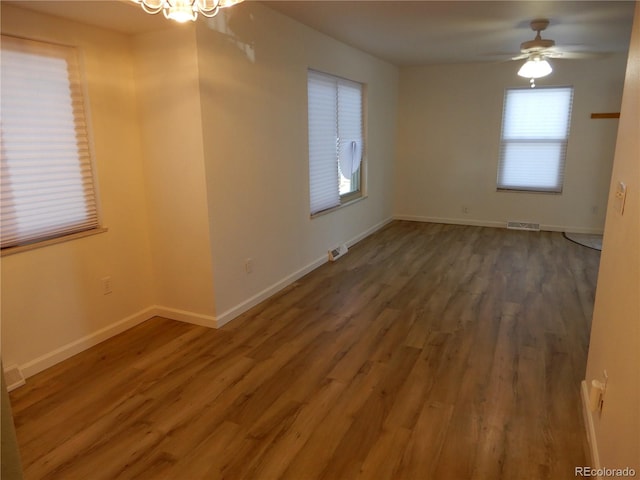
[
  {"x": 369, "y": 231},
  {"x": 185, "y": 316},
  {"x": 251, "y": 302},
  {"x": 239, "y": 309},
  {"x": 587, "y": 415},
  {"x": 452, "y": 221},
  {"x": 557, "y": 228},
  {"x": 66, "y": 351},
  {"x": 13, "y": 377},
  {"x": 496, "y": 224}
]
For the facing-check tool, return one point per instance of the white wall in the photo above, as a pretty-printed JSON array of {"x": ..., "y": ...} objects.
[
  {"x": 170, "y": 120},
  {"x": 52, "y": 297},
  {"x": 448, "y": 143},
  {"x": 615, "y": 332},
  {"x": 201, "y": 153},
  {"x": 253, "y": 84}
]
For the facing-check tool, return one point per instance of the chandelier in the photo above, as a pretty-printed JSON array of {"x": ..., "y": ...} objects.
[{"x": 185, "y": 10}]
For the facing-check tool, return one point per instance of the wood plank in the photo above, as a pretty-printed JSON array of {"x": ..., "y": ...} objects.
[
  {"x": 606, "y": 115},
  {"x": 429, "y": 351},
  {"x": 422, "y": 454}
]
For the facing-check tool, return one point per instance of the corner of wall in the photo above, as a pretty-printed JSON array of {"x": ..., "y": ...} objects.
[
  {"x": 200, "y": 319},
  {"x": 64, "y": 352}
]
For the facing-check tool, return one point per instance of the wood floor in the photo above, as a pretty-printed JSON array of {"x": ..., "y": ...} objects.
[{"x": 427, "y": 352}]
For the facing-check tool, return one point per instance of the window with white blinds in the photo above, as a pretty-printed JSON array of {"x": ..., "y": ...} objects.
[
  {"x": 335, "y": 140},
  {"x": 535, "y": 131},
  {"x": 47, "y": 179}
]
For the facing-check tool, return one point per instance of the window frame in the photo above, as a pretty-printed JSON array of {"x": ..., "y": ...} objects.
[
  {"x": 560, "y": 142},
  {"x": 359, "y": 176},
  {"x": 84, "y": 158}
]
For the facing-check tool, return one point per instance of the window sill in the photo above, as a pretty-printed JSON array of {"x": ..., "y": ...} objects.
[
  {"x": 53, "y": 241},
  {"x": 515, "y": 190},
  {"x": 338, "y": 207}
]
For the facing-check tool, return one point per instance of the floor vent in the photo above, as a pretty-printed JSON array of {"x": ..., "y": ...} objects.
[
  {"x": 337, "y": 252},
  {"x": 532, "y": 227},
  {"x": 14, "y": 378}
]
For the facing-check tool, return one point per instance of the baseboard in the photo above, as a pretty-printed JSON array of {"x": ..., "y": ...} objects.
[
  {"x": 251, "y": 302},
  {"x": 587, "y": 416},
  {"x": 239, "y": 309},
  {"x": 66, "y": 351},
  {"x": 452, "y": 221},
  {"x": 369, "y": 231},
  {"x": 185, "y": 316},
  {"x": 13, "y": 377},
  {"x": 570, "y": 229},
  {"x": 495, "y": 224},
  {"x": 62, "y": 353}
]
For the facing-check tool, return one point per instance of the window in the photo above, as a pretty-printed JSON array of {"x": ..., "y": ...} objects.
[
  {"x": 535, "y": 130},
  {"x": 335, "y": 140},
  {"x": 47, "y": 178}
]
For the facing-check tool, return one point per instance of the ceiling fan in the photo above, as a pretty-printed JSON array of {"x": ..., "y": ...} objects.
[
  {"x": 538, "y": 46},
  {"x": 536, "y": 52}
]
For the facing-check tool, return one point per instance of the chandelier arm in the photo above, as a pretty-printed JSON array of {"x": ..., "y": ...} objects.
[
  {"x": 207, "y": 7},
  {"x": 210, "y": 13},
  {"x": 149, "y": 9},
  {"x": 185, "y": 10}
]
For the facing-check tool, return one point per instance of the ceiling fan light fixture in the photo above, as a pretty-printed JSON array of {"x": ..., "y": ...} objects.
[{"x": 535, "y": 67}]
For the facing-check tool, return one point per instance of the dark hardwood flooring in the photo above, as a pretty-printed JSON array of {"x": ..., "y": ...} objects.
[{"x": 427, "y": 352}]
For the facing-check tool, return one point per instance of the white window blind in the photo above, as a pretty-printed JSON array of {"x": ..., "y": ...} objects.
[
  {"x": 335, "y": 139},
  {"x": 47, "y": 179},
  {"x": 535, "y": 130}
]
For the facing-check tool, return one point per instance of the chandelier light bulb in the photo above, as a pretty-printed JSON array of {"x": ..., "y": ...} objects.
[{"x": 181, "y": 11}]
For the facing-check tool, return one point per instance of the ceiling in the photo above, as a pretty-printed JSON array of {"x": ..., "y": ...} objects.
[
  {"x": 120, "y": 15},
  {"x": 425, "y": 32},
  {"x": 410, "y": 32}
]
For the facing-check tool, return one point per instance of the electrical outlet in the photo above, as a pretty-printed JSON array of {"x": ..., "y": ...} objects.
[
  {"x": 106, "y": 285},
  {"x": 248, "y": 265}
]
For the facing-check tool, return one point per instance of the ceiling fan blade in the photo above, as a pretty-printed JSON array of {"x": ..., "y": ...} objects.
[{"x": 582, "y": 55}]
